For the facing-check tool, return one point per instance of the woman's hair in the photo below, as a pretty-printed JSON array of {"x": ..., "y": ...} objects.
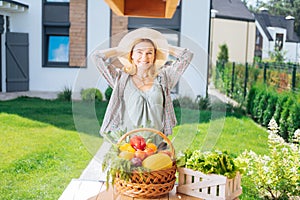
[{"x": 132, "y": 68}]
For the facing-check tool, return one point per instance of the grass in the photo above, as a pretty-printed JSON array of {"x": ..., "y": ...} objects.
[
  {"x": 38, "y": 160},
  {"x": 47, "y": 143}
]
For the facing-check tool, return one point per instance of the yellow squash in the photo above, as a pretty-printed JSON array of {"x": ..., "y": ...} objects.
[{"x": 157, "y": 162}]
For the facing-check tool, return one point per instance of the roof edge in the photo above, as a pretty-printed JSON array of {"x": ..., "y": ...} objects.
[{"x": 17, "y": 3}]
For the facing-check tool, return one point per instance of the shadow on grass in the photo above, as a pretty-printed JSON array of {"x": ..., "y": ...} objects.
[
  {"x": 57, "y": 113},
  {"x": 86, "y": 117}
]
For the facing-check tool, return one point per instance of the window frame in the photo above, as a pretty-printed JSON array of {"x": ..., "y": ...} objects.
[{"x": 53, "y": 25}]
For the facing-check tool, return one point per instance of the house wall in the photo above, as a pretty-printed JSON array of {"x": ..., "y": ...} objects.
[
  {"x": 265, "y": 42},
  {"x": 56, "y": 79},
  {"x": 292, "y": 52},
  {"x": 239, "y": 37},
  {"x": 194, "y": 36}
]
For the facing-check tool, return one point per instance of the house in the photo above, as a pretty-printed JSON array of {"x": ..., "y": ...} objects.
[
  {"x": 46, "y": 45},
  {"x": 276, "y": 32},
  {"x": 234, "y": 25}
]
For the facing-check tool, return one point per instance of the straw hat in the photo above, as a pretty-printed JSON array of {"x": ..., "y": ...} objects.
[{"x": 127, "y": 42}]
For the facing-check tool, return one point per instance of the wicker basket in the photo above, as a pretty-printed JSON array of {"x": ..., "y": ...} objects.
[{"x": 148, "y": 184}]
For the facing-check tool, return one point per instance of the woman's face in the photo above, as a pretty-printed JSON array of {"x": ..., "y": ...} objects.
[{"x": 143, "y": 55}]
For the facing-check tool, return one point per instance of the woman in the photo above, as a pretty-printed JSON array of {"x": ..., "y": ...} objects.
[{"x": 142, "y": 88}]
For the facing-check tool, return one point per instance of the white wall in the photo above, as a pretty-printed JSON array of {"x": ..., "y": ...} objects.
[
  {"x": 98, "y": 32},
  {"x": 292, "y": 52},
  {"x": 195, "y": 32},
  {"x": 56, "y": 79}
]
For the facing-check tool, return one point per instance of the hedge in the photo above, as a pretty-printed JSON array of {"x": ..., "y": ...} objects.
[{"x": 264, "y": 102}]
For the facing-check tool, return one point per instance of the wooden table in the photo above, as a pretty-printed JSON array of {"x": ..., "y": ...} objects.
[{"x": 111, "y": 194}]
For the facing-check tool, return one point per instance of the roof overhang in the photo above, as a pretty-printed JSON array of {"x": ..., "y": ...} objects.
[
  {"x": 12, "y": 6},
  {"x": 144, "y": 8}
]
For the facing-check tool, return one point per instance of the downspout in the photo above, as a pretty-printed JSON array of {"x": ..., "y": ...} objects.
[
  {"x": 208, "y": 60},
  {"x": 297, "y": 46}
]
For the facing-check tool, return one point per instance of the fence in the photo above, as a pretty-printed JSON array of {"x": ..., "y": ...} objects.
[{"x": 235, "y": 80}]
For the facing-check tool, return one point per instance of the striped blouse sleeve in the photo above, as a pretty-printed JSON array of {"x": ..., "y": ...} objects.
[
  {"x": 108, "y": 70},
  {"x": 174, "y": 71}
]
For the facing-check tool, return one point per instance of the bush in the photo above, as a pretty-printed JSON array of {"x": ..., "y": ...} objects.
[
  {"x": 283, "y": 124},
  {"x": 270, "y": 109},
  {"x": 262, "y": 105},
  {"x": 185, "y": 102},
  {"x": 91, "y": 94},
  {"x": 65, "y": 95},
  {"x": 293, "y": 120},
  {"x": 251, "y": 96},
  {"x": 108, "y": 93},
  {"x": 279, "y": 106},
  {"x": 277, "y": 175},
  {"x": 203, "y": 103},
  {"x": 256, "y": 101}
]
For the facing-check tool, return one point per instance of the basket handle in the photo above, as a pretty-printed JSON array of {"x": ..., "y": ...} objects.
[{"x": 150, "y": 130}]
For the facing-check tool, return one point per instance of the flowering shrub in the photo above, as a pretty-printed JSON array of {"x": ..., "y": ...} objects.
[{"x": 276, "y": 176}]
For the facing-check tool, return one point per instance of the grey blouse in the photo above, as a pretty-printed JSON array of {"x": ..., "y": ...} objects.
[{"x": 143, "y": 108}]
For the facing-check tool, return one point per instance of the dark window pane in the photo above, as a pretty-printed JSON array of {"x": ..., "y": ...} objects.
[
  {"x": 58, "y": 0},
  {"x": 58, "y": 49}
]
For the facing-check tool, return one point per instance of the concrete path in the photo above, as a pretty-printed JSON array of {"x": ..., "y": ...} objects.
[{"x": 12, "y": 95}]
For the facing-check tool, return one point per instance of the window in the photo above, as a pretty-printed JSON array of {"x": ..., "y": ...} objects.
[
  {"x": 58, "y": 48},
  {"x": 56, "y": 34},
  {"x": 279, "y": 41}
]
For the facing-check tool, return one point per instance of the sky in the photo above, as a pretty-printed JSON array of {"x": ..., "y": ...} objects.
[{"x": 58, "y": 49}]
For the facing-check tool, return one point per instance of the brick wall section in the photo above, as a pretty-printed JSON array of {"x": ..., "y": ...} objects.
[
  {"x": 77, "y": 34},
  {"x": 119, "y": 26}
]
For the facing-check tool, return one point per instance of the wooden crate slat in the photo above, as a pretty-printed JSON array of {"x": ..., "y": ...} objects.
[{"x": 214, "y": 187}]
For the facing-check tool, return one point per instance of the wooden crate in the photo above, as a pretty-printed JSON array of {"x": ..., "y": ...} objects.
[{"x": 212, "y": 186}]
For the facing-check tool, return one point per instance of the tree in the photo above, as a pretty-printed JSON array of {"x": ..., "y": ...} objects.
[{"x": 223, "y": 54}]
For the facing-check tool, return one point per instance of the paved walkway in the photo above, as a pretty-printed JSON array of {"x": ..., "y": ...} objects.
[{"x": 12, "y": 95}]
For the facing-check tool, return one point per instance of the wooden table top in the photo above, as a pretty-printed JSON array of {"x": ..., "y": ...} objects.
[{"x": 111, "y": 194}]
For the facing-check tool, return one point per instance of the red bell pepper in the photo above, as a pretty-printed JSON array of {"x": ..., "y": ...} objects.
[{"x": 138, "y": 142}]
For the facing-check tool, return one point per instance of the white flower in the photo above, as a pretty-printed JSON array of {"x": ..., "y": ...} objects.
[
  {"x": 296, "y": 137},
  {"x": 284, "y": 150},
  {"x": 266, "y": 169},
  {"x": 294, "y": 170},
  {"x": 273, "y": 127}
]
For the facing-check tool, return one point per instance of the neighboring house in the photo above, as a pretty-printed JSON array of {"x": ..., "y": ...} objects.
[
  {"x": 45, "y": 43},
  {"x": 234, "y": 25},
  {"x": 276, "y": 32}
]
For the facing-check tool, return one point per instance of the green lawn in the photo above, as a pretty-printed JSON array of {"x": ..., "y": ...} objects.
[{"x": 44, "y": 146}]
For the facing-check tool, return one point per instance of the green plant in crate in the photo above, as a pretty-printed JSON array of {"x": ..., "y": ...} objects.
[{"x": 212, "y": 162}]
